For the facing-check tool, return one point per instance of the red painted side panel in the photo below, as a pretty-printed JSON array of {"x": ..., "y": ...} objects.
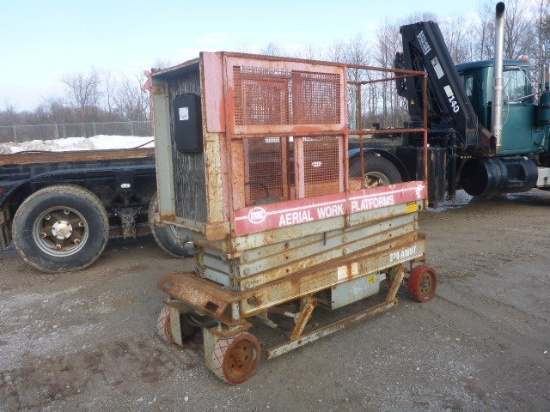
[{"x": 282, "y": 214}]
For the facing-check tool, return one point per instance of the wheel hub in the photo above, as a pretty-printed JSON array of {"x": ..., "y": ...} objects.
[
  {"x": 426, "y": 284},
  {"x": 375, "y": 179},
  {"x": 235, "y": 359},
  {"x": 62, "y": 229},
  {"x": 241, "y": 359},
  {"x": 422, "y": 283}
]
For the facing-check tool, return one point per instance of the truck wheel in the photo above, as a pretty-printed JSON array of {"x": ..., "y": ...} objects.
[
  {"x": 378, "y": 171},
  {"x": 61, "y": 228},
  {"x": 165, "y": 235}
]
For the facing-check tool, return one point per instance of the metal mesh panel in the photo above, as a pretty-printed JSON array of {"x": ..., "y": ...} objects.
[
  {"x": 266, "y": 96},
  {"x": 321, "y": 165},
  {"x": 261, "y": 96},
  {"x": 316, "y": 98},
  {"x": 264, "y": 163}
]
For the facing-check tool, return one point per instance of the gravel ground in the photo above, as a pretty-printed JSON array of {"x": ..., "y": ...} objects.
[{"x": 87, "y": 340}]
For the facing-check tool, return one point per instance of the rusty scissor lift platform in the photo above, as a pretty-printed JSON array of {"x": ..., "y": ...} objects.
[{"x": 253, "y": 168}]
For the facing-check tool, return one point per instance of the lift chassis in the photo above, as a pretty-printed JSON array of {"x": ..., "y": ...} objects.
[{"x": 252, "y": 167}]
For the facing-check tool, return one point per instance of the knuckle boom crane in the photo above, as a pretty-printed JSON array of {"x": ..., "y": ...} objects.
[{"x": 488, "y": 134}]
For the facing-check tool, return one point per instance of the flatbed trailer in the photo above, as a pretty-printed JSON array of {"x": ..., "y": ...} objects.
[
  {"x": 252, "y": 167},
  {"x": 61, "y": 208}
]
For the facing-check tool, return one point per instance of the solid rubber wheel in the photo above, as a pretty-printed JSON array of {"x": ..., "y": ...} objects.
[
  {"x": 188, "y": 331},
  {"x": 378, "y": 171},
  {"x": 423, "y": 283},
  {"x": 165, "y": 235},
  {"x": 235, "y": 359},
  {"x": 163, "y": 324},
  {"x": 61, "y": 228}
]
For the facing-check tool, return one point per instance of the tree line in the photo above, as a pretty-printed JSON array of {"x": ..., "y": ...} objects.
[
  {"x": 103, "y": 97},
  {"x": 468, "y": 38},
  {"x": 88, "y": 97}
]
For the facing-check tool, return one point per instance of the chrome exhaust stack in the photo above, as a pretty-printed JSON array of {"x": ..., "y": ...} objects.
[
  {"x": 498, "y": 80},
  {"x": 544, "y": 86}
]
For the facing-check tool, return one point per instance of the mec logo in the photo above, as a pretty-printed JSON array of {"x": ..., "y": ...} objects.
[{"x": 257, "y": 215}]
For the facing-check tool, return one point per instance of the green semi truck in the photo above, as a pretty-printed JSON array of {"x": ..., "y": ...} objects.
[{"x": 489, "y": 126}]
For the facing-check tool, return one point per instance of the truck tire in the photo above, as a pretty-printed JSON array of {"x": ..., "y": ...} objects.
[
  {"x": 378, "y": 171},
  {"x": 165, "y": 236},
  {"x": 61, "y": 228}
]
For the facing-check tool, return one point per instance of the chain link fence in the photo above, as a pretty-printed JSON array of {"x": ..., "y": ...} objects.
[{"x": 26, "y": 133}]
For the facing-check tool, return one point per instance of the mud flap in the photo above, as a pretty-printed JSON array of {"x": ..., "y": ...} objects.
[{"x": 5, "y": 232}]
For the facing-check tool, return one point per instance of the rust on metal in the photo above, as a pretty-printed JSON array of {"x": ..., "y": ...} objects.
[
  {"x": 392, "y": 131},
  {"x": 201, "y": 294},
  {"x": 396, "y": 283},
  {"x": 297, "y": 340},
  {"x": 285, "y": 221},
  {"x": 29, "y": 157},
  {"x": 308, "y": 305},
  {"x": 273, "y": 238},
  {"x": 328, "y": 330},
  {"x": 385, "y": 79},
  {"x": 164, "y": 218},
  {"x": 216, "y": 231},
  {"x": 308, "y": 282},
  {"x": 218, "y": 210},
  {"x": 285, "y": 60},
  {"x": 302, "y": 258},
  {"x": 260, "y": 259}
]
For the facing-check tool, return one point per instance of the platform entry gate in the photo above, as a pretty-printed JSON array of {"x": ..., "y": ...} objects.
[{"x": 253, "y": 160}]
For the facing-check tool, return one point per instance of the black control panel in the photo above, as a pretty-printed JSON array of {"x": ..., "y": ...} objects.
[{"x": 187, "y": 123}]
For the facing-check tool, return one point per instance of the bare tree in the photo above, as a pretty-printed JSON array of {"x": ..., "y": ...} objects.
[
  {"x": 56, "y": 110},
  {"x": 413, "y": 18},
  {"x": 336, "y": 51},
  {"x": 83, "y": 93},
  {"x": 8, "y": 116},
  {"x": 83, "y": 89},
  {"x": 355, "y": 51},
  {"x": 389, "y": 43},
  {"x": 108, "y": 87},
  {"x": 131, "y": 102},
  {"x": 518, "y": 33},
  {"x": 455, "y": 32},
  {"x": 273, "y": 49},
  {"x": 242, "y": 48},
  {"x": 93, "y": 96},
  {"x": 482, "y": 34},
  {"x": 358, "y": 51},
  {"x": 308, "y": 52},
  {"x": 542, "y": 13},
  {"x": 162, "y": 64}
]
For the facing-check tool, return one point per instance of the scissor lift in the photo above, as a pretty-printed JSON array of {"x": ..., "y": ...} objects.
[{"x": 252, "y": 167}]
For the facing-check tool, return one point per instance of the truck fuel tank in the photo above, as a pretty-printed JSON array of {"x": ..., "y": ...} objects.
[{"x": 493, "y": 176}]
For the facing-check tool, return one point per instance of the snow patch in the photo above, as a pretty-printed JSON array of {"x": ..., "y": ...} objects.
[{"x": 100, "y": 142}]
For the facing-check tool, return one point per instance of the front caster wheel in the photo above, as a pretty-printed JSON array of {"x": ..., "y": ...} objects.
[
  {"x": 423, "y": 283},
  {"x": 164, "y": 328},
  {"x": 235, "y": 359}
]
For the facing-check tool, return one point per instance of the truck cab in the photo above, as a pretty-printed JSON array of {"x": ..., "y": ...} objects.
[{"x": 519, "y": 137}]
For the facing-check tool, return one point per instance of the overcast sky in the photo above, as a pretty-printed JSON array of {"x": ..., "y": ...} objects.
[{"x": 40, "y": 40}]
